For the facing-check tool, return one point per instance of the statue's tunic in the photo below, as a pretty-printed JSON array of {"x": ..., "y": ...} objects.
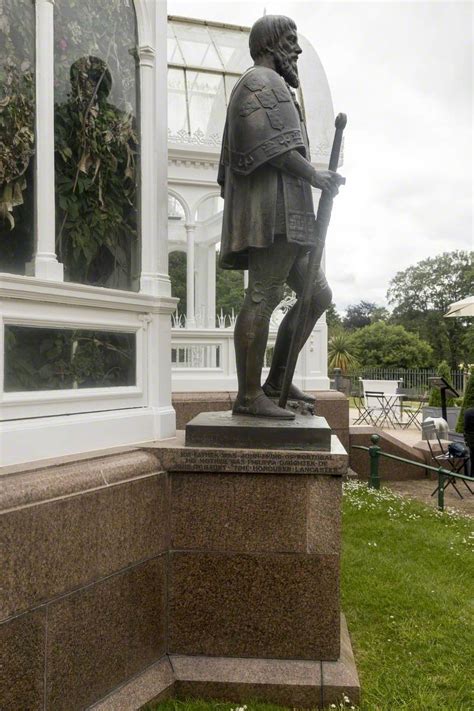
[{"x": 263, "y": 122}]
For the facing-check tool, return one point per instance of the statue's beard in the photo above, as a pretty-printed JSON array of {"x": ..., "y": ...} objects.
[{"x": 286, "y": 67}]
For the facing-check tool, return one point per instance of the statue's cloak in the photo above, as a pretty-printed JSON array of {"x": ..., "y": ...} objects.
[{"x": 263, "y": 121}]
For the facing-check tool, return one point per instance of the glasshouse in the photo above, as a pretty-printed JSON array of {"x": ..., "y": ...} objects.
[{"x": 98, "y": 190}]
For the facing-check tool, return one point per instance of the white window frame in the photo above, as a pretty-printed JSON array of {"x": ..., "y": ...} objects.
[{"x": 42, "y": 297}]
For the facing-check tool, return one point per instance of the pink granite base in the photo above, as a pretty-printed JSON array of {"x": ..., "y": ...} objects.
[
  {"x": 174, "y": 571},
  {"x": 295, "y": 683}
]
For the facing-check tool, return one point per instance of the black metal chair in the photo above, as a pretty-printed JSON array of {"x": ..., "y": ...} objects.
[
  {"x": 364, "y": 413},
  {"x": 443, "y": 458},
  {"x": 413, "y": 412}
]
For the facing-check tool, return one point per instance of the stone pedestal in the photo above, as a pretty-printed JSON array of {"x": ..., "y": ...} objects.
[
  {"x": 254, "y": 604},
  {"x": 138, "y": 575}
]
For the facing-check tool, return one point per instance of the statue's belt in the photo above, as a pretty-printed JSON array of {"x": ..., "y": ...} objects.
[{"x": 246, "y": 163}]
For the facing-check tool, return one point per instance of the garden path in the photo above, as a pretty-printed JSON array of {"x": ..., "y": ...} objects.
[{"x": 420, "y": 489}]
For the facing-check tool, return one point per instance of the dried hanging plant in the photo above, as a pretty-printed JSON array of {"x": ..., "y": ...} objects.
[{"x": 17, "y": 138}]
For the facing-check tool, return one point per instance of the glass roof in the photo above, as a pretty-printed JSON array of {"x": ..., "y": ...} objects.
[
  {"x": 205, "y": 60},
  {"x": 204, "y": 63},
  {"x": 221, "y": 49}
]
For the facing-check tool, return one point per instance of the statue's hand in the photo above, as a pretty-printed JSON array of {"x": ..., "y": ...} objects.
[{"x": 328, "y": 181}]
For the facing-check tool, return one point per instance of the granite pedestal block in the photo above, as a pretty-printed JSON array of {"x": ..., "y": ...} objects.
[
  {"x": 254, "y": 568},
  {"x": 174, "y": 571}
]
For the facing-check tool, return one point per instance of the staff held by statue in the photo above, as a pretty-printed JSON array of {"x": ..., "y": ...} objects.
[{"x": 322, "y": 223}]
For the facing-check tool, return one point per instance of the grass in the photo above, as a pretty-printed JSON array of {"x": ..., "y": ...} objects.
[{"x": 407, "y": 591}]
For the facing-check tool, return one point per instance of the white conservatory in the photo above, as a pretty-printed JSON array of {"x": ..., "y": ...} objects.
[
  {"x": 91, "y": 344},
  {"x": 84, "y": 291},
  {"x": 205, "y": 59}
]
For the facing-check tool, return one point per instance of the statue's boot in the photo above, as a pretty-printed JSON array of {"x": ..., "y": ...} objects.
[
  {"x": 250, "y": 337},
  {"x": 272, "y": 386},
  {"x": 262, "y": 406},
  {"x": 294, "y": 393}
]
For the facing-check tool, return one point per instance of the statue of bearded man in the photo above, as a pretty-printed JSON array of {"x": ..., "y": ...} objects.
[{"x": 269, "y": 223}]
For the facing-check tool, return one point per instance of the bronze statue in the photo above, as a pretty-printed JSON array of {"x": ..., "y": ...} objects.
[{"x": 269, "y": 224}]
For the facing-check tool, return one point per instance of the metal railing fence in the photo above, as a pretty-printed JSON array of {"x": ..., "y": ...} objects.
[
  {"x": 375, "y": 452},
  {"x": 415, "y": 380}
]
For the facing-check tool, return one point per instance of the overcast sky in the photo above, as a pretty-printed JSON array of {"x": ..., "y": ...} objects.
[{"x": 402, "y": 72}]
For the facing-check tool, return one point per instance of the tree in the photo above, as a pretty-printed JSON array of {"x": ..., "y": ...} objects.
[
  {"x": 385, "y": 345},
  {"x": 421, "y": 295},
  {"x": 229, "y": 290},
  {"x": 339, "y": 352},
  {"x": 363, "y": 314},
  {"x": 444, "y": 371},
  {"x": 177, "y": 272},
  {"x": 333, "y": 319},
  {"x": 467, "y": 402}
]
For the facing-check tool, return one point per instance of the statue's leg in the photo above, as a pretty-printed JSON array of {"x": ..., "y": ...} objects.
[
  {"x": 268, "y": 270},
  {"x": 320, "y": 301}
]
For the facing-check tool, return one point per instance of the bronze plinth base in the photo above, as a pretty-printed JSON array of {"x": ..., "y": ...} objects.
[{"x": 224, "y": 429}]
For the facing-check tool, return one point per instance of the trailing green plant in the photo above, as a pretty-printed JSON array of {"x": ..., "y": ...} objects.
[
  {"x": 444, "y": 371},
  {"x": 53, "y": 359},
  {"x": 467, "y": 401},
  {"x": 17, "y": 138},
  {"x": 96, "y": 141},
  {"x": 96, "y": 180},
  {"x": 17, "y": 104}
]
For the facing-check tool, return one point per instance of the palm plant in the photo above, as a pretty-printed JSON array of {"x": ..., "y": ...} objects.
[{"x": 339, "y": 353}]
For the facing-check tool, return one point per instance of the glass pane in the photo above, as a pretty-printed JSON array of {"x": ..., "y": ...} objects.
[
  {"x": 233, "y": 47},
  {"x": 96, "y": 141},
  {"x": 210, "y": 207},
  {"x": 207, "y": 107},
  {"x": 175, "y": 209},
  {"x": 230, "y": 82},
  {"x": 177, "y": 272},
  {"x": 174, "y": 53},
  {"x": 196, "y": 356},
  {"x": 196, "y": 46},
  {"x": 17, "y": 107},
  {"x": 177, "y": 112},
  {"x": 54, "y": 359}
]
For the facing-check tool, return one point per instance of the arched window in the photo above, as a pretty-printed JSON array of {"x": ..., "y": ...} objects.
[
  {"x": 17, "y": 137},
  {"x": 96, "y": 141},
  {"x": 85, "y": 302}
]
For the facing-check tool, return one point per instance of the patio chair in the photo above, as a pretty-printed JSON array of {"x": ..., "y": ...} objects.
[
  {"x": 443, "y": 458},
  {"x": 382, "y": 400},
  {"x": 413, "y": 412},
  {"x": 364, "y": 413}
]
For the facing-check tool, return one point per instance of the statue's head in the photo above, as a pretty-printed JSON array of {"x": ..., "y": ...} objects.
[
  {"x": 89, "y": 75},
  {"x": 276, "y": 35}
]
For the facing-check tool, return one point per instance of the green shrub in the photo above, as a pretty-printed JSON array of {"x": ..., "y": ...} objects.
[
  {"x": 467, "y": 402},
  {"x": 443, "y": 371}
]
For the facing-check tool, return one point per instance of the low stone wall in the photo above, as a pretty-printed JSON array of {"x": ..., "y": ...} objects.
[
  {"x": 118, "y": 570},
  {"x": 84, "y": 579},
  {"x": 389, "y": 469}
]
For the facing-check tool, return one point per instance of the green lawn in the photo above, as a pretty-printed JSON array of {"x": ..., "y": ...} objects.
[{"x": 408, "y": 592}]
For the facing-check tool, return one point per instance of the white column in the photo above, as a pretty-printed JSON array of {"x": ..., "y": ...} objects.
[
  {"x": 154, "y": 280},
  {"x": 190, "y": 315},
  {"x": 246, "y": 279},
  {"x": 45, "y": 263},
  {"x": 148, "y": 215},
  {"x": 211, "y": 286},
  {"x": 160, "y": 156}
]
